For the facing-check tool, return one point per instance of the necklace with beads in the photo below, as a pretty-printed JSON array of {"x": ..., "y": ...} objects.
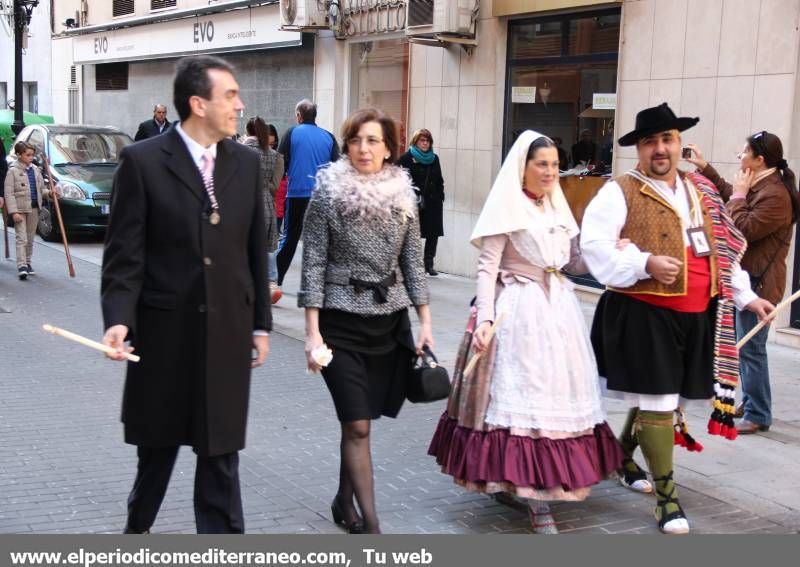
[{"x": 538, "y": 200}]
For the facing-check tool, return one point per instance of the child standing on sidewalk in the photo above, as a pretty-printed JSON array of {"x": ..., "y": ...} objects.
[{"x": 23, "y": 190}]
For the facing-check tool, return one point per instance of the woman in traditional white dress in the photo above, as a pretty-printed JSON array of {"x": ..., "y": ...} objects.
[{"x": 529, "y": 420}]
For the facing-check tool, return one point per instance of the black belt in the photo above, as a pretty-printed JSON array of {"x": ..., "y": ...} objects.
[{"x": 380, "y": 290}]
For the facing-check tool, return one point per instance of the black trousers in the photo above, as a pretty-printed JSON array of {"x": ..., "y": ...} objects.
[
  {"x": 430, "y": 251},
  {"x": 292, "y": 230},
  {"x": 217, "y": 495}
]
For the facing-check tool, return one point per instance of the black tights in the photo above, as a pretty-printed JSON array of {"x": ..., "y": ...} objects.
[{"x": 355, "y": 475}]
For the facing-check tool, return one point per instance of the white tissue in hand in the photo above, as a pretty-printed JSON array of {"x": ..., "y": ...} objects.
[{"x": 322, "y": 355}]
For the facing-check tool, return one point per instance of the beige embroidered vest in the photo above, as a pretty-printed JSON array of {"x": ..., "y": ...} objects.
[{"x": 654, "y": 226}]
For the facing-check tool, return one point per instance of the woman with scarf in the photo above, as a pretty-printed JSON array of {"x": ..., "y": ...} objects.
[
  {"x": 362, "y": 269},
  {"x": 763, "y": 203},
  {"x": 529, "y": 419},
  {"x": 426, "y": 175}
]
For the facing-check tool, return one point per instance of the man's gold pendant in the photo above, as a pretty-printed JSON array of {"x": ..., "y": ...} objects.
[
  {"x": 214, "y": 218},
  {"x": 698, "y": 241}
]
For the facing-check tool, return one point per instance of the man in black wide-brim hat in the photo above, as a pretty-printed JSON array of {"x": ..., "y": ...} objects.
[{"x": 663, "y": 331}]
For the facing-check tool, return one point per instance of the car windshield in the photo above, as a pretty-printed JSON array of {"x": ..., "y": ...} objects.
[{"x": 86, "y": 147}]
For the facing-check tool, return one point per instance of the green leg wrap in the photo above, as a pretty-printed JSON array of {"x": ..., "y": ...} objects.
[
  {"x": 656, "y": 437},
  {"x": 629, "y": 442}
]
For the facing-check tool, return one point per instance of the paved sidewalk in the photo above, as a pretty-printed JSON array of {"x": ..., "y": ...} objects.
[{"x": 65, "y": 469}]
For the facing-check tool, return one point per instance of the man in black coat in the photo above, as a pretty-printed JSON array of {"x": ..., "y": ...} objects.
[
  {"x": 184, "y": 280},
  {"x": 151, "y": 128}
]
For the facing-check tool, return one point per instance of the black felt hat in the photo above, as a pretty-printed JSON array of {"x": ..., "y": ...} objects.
[{"x": 657, "y": 119}]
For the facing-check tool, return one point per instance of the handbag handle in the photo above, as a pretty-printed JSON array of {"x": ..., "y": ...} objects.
[{"x": 427, "y": 356}]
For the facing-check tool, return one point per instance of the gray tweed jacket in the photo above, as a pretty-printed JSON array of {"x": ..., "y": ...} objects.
[{"x": 362, "y": 227}]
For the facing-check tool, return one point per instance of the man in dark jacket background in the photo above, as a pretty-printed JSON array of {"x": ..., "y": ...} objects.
[
  {"x": 305, "y": 148},
  {"x": 157, "y": 125},
  {"x": 185, "y": 280}
]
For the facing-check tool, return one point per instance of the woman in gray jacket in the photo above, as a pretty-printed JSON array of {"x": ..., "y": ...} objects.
[{"x": 362, "y": 268}]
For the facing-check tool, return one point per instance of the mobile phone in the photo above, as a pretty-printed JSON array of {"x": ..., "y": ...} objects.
[{"x": 686, "y": 153}]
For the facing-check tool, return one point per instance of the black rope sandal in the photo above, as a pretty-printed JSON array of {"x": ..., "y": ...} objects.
[
  {"x": 675, "y": 522},
  {"x": 634, "y": 480}
]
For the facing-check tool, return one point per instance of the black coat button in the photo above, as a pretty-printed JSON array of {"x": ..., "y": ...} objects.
[{"x": 201, "y": 308}]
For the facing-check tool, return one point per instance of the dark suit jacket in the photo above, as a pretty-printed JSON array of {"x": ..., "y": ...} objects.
[
  {"x": 190, "y": 292},
  {"x": 149, "y": 129}
]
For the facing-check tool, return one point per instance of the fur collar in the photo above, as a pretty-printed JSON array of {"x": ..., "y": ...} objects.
[{"x": 380, "y": 195}]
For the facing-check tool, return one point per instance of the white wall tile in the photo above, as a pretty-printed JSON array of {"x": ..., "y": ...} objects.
[
  {"x": 418, "y": 62},
  {"x": 731, "y": 117},
  {"x": 699, "y": 99},
  {"x": 703, "y": 24},
  {"x": 485, "y": 125},
  {"x": 637, "y": 40},
  {"x": 325, "y": 63},
  {"x": 633, "y": 96},
  {"x": 738, "y": 43},
  {"x": 433, "y": 69},
  {"x": 462, "y": 190},
  {"x": 778, "y": 36},
  {"x": 482, "y": 179},
  {"x": 486, "y": 53},
  {"x": 416, "y": 109},
  {"x": 467, "y": 99},
  {"x": 666, "y": 90},
  {"x": 433, "y": 110},
  {"x": 667, "y": 55},
  {"x": 447, "y": 159},
  {"x": 325, "y": 110},
  {"x": 449, "y": 118},
  {"x": 773, "y": 101},
  {"x": 451, "y": 65}
]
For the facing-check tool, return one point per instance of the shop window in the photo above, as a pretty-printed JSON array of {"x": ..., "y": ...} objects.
[
  {"x": 111, "y": 77},
  {"x": 122, "y": 8},
  {"x": 161, "y": 4},
  {"x": 30, "y": 96},
  {"x": 379, "y": 78}
]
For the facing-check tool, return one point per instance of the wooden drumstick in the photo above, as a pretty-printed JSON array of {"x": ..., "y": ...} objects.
[
  {"x": 88, "y": 342},
  {"x": 490, "y": 335},
  {"x": 774, "y": 314}
]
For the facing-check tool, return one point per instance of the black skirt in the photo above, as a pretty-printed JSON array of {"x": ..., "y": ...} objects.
[
  {"x": 644, "y": 349},
  {"x": 372, "y": 357}
]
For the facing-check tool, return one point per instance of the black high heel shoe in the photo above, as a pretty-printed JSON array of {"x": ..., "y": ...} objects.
[{"x": 354, "y": 527}]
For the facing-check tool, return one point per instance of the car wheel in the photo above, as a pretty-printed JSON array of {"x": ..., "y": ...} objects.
[{"x": 47, "y": 228}]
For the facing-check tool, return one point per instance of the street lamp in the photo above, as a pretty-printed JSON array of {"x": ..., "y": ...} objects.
[{"x": 22, "y": 19}]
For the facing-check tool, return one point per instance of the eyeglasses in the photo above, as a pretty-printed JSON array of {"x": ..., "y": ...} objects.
[{"x": 372, "y": 141}]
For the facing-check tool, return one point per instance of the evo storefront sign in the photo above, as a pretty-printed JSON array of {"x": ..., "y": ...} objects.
[{"x": 243, "y": 29}]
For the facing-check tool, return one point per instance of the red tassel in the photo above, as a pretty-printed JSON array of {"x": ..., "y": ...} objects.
[
  {"x": 714, "y": 427},
  {"x": 679, "y": 440},
  {"x": 732, "y": 434}
]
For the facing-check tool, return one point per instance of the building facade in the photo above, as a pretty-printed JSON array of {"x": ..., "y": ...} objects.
[
  {"x": 579, "y": 70},
  {"x": 36, "y": 81},
  {"x": 118, "y": 60}
]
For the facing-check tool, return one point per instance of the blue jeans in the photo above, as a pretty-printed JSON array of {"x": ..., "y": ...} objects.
[
  {"x": 754, "y": 370},
  {"x": 272, "y": 265}
]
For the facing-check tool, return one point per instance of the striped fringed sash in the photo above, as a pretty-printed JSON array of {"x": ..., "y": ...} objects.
[{"x": 730, "y": 245}]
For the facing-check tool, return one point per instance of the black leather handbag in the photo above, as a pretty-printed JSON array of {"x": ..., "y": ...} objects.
[{"x": 427, "y": 382}]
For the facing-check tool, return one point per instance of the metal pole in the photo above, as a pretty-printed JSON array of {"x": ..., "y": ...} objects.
[
  {"x": 19, "y": 29},
  {"x": 22, "y": 18}
]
